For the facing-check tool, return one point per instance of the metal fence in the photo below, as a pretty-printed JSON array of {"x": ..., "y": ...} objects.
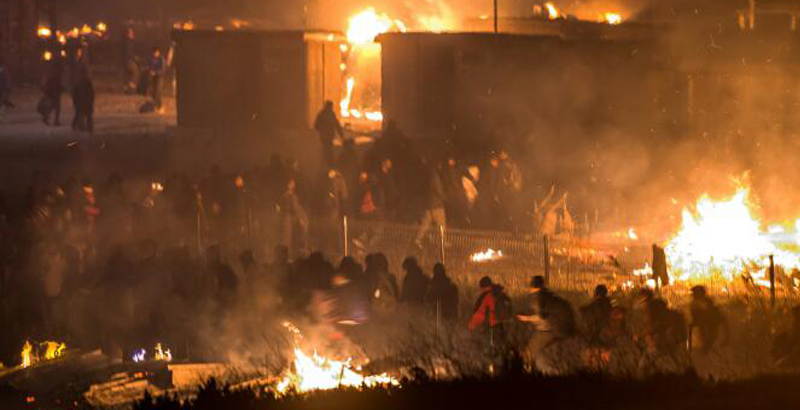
[{"x": 567, "y": 262}]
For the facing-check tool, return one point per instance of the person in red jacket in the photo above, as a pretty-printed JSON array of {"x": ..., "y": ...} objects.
[{"x": 492, "y": 311}]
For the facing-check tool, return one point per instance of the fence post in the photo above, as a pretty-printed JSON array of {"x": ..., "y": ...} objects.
[
  {"x": 441, "y": 236},
  {"x": 344, "y": 234},
  {"x": 772, "y": 280},
  {"x": 199, "y": 229},
  {"x": 546, "y": 260}
]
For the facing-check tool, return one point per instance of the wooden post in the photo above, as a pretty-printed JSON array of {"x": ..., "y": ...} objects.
[
  {"x": 441, "y": 236},
  {"x": 344, "y": 234},
  {"x": 772, "y": 280},
  {"x": 546, "y": 260}
]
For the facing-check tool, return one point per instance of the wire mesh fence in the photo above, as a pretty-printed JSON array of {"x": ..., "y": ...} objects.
[{"x": 509, "y": 258}]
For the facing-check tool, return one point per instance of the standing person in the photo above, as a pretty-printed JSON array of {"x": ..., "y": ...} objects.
[
  {"x": 434, "y": 213},
  {"x": 130, "y": 65},
  {"x": 415, "y": 284},
  {"x": 388, "y": 189},
  {"x": 293, "y": 215},
  {"x": 53, "y": 87},
  {"x": 442, "y": 295},
  {"x": 157, "y": 68},
  {"x": 82, "y": 95},
  {"x": 328, "y": 126},
  {"x": 5, "y": 90}
]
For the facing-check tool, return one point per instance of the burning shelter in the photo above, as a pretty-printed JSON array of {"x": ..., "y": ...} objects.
[{"x": 255, "y": 79}]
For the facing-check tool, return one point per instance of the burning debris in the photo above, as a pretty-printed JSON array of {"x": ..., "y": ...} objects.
[
  {"x": 722, "y": 239},
  {"x": 489, "y": 255},
  {"x": 35, "y": 353},
  {"x": 315, "y": 372},
  {"x": 160, "y": 354}
]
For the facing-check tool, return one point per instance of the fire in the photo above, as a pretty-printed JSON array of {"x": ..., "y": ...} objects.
[
  {"x": 315, "y": 372},
  {"x": 553, "y": 13},
  {"x": 486, "y": 256},
  {"x": 611, "y": 18},
  {"x": 344, "y": 105},
  {"x": 44, "y": 32},
  {"x": 27, "y": 351},
  {"x": 723, "y": 239},
  {"x": 45, "y": 351},
  {"x": 102, "y": 27},
  {"x": 47, "y": 56},
  {"x": 632, "y": 234},
  {"x": 368, "y": 24},
  {"x": 162, "y": 355},
  {"x": 139, "y": 355},
  {"x": 53, "y": 350},
  {"x": 435, "y": 24}
]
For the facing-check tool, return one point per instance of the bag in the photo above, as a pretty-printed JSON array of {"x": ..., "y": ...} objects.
[
  {"x": 503, "y": 310},
  {"x": 45, "y": 106}
]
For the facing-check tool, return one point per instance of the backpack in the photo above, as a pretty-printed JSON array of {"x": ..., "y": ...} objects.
[{"x": 503, "y": 310}]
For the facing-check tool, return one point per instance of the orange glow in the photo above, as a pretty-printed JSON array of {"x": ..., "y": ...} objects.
[
  {"x": 44, "y": 32},
  {"x": 365, "y": 26},
  {"x": 553, "y": 12},
  {"x": 611, "y": 18}
]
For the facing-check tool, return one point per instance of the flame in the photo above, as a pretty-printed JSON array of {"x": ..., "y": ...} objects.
[
  {"x": 27, "y": 350},
  {"x": 44, "y": 32},
  {"x": 62, "y": 38},
  {"x": 315, "y": 372},
  {"x": 187, "y": 25},
  {"x": 611, "y": 18},
  {"x": 86, "y": 29},
  {"x": 486, "y": 256},
  {"x": 722, "y": 239},
  {"x": 53, "y": 350},
  {"x": 344, "y": 105},
  {"x": 74, "y": 33},
  {"x": 435, "y": 24},
  {"x": 102, "y": 27},
  {"x": 632, "y": 234},
  {"x": 47, "y": 56},
  {"x": 139, "y": 355},
  {"x": 161, "y": 354},
  {"x": 553, "y": 12},
  {"x": 368, "y": 24}
]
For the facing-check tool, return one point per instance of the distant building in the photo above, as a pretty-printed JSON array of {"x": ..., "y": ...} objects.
[{"x": 240, "y": 80}]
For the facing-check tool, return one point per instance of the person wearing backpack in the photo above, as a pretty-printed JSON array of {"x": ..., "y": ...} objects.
[
  {"x": 706, "y": 324},
  {"x": 492, "y": 312},
  {"x": 664, "y": 333},
  {"x": 552, "y": 317}
]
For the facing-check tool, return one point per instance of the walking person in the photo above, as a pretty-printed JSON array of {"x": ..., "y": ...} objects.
[
  {"x": 129, "y": 64},
  {"x": 82, "y": 96}
]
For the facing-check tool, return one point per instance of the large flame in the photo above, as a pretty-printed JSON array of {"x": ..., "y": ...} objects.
[
  {"x": 368, "y": 24},
  {"x": 315, "y": 372},
  {"x": 722, "y": 240}
]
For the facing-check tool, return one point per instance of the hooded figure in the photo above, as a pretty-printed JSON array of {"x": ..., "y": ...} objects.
[{"x": 442, "y": 296}]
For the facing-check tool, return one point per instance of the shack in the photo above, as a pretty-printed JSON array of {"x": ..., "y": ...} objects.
[{"x": 239, "y": 80}]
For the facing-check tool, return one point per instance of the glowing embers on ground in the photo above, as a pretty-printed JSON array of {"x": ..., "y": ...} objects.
[
  {"x": 35, "y": 353},
  {"x": 489, "y": 255},
  {"x": 311, "y": 372},
  {"x": 721, "y": 239}
]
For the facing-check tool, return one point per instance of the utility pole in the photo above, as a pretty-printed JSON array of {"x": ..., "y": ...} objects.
[{"x": 495, "y": 17}]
